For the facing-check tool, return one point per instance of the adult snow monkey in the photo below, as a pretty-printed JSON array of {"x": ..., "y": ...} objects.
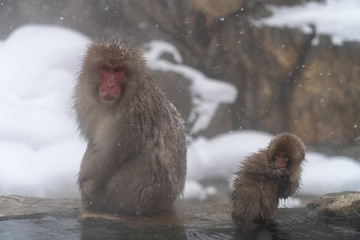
[{"x": 135, "y": 161}]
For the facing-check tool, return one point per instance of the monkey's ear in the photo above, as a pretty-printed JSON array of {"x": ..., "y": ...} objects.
[{"x": 290, "y": 144}]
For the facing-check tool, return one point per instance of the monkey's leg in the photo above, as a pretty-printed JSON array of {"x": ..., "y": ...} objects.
[{"x": 247, "y": 207}]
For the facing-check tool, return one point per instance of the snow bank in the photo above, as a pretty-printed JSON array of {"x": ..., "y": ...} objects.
[
  {"x": 323, "y": 174},
  {"x": 40, "y": 149},
  {"x": 221, "y": 156}
]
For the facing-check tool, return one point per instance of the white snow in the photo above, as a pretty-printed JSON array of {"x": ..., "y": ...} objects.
[
  {"x": 323, "y": 174},
  {"x": 219, "y": 157},
  {"x": 40, "y": 148},
  {"x": 194, "y": 190},
  {"x": 338, "y": 18}
]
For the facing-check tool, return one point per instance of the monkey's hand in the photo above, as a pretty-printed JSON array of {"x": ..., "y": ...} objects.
[
  {"x": 276, "y": 173},
  {"x": 284, "y": 171},
  {"x": 279, "y": 172}
]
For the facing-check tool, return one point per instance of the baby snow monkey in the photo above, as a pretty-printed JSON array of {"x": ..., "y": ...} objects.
[{"x": 264, "y": 177}]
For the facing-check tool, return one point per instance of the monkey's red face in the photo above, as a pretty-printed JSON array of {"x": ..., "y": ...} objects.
[
  {"x": 111, "y": 78},
  {"x": 281, "y": 160}
]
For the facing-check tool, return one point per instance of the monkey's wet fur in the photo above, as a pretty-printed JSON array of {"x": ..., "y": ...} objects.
[
  {"x": 262, "y": 181},
  {"x": 135, "y": 161}
]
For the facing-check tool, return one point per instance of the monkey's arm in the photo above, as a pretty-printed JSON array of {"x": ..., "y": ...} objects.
[
  {"x": 294, "y": 182},
  {"x": 289, "y": 184}
]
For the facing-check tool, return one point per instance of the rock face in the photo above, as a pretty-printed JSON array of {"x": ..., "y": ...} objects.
[
  {"x": 337, "y": 204},
  {"x": 284, "y": 82}
]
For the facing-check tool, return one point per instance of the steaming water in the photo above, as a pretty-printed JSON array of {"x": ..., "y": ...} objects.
[
  {"x": 43, "y": 228},
  {"x": 70, "y": 228}
]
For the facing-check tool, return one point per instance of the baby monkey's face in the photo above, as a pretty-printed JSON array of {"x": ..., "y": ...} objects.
[{"x": 281, "y": 160}]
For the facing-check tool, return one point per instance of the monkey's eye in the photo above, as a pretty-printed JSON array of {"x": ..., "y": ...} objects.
[
  {"x": 119, "y": 69},
  {"x": 105, "y": 67}
]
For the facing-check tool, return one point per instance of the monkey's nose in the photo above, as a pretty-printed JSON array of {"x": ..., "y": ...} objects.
[{"x": 109, "y": 83}]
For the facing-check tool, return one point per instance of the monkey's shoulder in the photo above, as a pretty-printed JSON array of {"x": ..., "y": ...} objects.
[
  {"x": 256, "y": 162},
  {"x": 154, "y": 105}
]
